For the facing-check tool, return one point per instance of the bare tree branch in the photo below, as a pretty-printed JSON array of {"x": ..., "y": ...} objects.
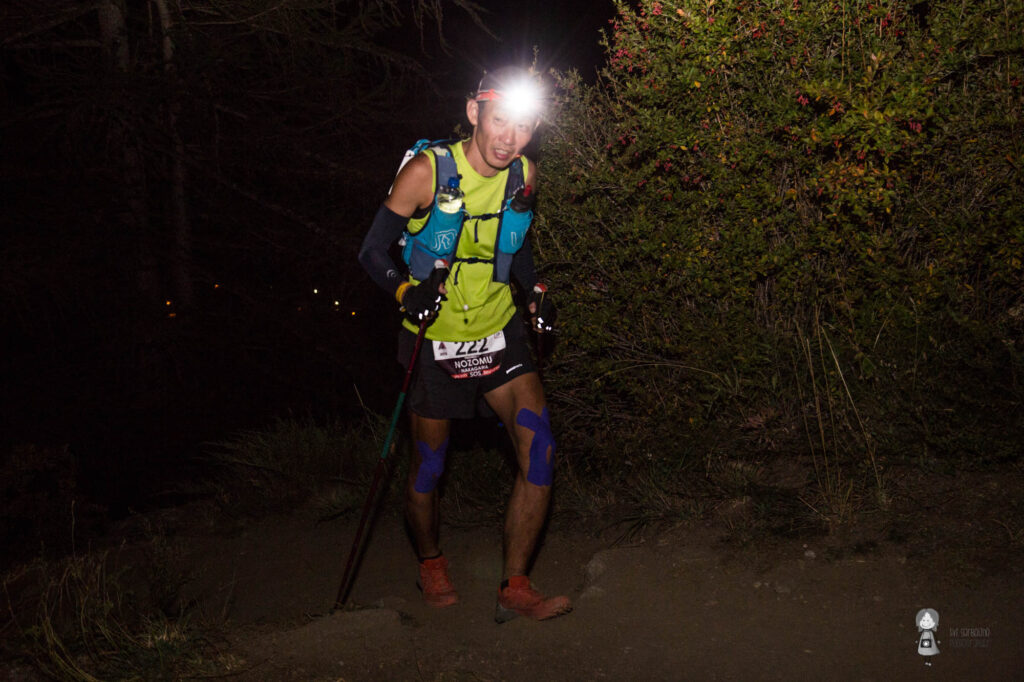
[{"x": 31, "y": 24}]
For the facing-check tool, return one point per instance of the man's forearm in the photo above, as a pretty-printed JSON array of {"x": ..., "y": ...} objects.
[
  {"x": 386, "y": 228},
  {"x": 523, "y": 268}
]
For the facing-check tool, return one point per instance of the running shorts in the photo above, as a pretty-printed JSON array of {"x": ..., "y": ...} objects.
[{"x": 436, "y": 394}]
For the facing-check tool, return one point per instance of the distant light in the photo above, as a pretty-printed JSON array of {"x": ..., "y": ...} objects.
[
  {"x": 167, "y": 302},
  {"x": 172, "y": 314},
  {"x": 216, "y": 286},
  {"x": 337, "y": 303},
  {"x": 353, "y": 313},
  {"x": 316, "y": 291}
]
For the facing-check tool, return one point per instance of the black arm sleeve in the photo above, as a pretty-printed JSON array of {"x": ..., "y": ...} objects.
[
  {"x": 386, "y": 228},
  {"x": 523, "y": 268}
]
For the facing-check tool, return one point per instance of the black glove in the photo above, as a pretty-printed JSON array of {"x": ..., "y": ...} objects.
[
  {"x": 542, "y": 310},
  {"x": 420, "y": 303}
]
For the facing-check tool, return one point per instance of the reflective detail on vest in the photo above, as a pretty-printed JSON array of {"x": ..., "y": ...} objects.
[{"x": 439, "y": 235}]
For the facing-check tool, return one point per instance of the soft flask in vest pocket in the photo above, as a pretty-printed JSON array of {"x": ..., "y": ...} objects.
[
  {"x": 440, "y": 234},
  {"x": 515, "y": 221}
]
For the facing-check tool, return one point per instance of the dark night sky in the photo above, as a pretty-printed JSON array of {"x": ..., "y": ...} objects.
[
  {"x": 566, "y": 33},
  {"x": 96, "y": 414}
]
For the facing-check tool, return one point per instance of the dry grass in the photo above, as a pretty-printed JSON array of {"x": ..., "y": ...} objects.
[
  {"x": 80, "y": 619},
  {"x": 837, "y": 442}
]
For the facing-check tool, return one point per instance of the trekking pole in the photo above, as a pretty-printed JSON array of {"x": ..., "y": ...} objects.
[
  {"x": 543, "y": 290},
  {"x": 378, "y": 472},
  {"x": 540, "y": 355}
]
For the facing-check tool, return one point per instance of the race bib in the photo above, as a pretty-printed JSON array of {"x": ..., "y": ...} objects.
[{"x": 471, "y": 359}]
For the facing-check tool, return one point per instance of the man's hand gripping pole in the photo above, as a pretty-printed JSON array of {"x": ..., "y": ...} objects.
[{"x": 542, "y": 319}]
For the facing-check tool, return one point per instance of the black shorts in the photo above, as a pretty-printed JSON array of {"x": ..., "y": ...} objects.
[{"x": 435, "y": 394}]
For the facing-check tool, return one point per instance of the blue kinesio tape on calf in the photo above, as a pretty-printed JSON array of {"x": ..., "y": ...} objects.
[
  {"x": 431, "y": 466},
  {"x": 542, "y": 447}
]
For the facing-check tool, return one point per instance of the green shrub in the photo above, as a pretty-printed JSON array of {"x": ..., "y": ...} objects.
[{"x": 746, "y": 174}]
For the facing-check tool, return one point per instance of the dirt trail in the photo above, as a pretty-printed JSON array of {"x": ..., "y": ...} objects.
[{"x": 679, "y": 607}]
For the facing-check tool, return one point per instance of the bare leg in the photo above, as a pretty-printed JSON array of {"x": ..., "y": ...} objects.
[
  {"x": 528, "y": 505},
  {"x": 422, "y": 508}
]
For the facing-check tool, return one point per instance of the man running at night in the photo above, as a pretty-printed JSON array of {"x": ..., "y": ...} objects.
[{"x": 475, "y": 344}]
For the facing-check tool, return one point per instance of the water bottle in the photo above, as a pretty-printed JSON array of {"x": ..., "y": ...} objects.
[
  {"x": 449, "y": 199},
  {"x": 512, "y": 231},
  {"x": 523, "y": 200}
]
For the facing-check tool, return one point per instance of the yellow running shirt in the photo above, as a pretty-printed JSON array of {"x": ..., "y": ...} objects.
[{"x": 477, "y": 306}]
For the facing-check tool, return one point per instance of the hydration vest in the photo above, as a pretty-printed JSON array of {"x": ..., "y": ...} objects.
[{"x": 439, "y": 236}]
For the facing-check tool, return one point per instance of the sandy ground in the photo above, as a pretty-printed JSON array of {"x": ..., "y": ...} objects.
[{"x": 679, "y": 605}]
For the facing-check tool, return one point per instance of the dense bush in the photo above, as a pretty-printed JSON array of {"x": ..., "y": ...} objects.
[{"x": 760, "y": 202}]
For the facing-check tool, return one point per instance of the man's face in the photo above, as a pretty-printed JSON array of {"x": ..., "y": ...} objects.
[{"x": 498, "y": 134}]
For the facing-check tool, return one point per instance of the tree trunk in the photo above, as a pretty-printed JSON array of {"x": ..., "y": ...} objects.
[
  {"x": 181, "y": 228},
  {"x": 132, "y": 171}
]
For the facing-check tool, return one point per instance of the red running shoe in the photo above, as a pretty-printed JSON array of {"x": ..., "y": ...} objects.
[
  {"x": 518, "y": 598},
  {"x": 437, "y": 587}
]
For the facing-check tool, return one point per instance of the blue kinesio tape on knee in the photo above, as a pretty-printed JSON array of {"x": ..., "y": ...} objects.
[
  {"x": 431, "y": 466},
  {"x": 542, "y": 447}
]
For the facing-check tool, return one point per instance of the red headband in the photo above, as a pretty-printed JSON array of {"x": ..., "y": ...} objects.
[{"x": 488, "y": 95}]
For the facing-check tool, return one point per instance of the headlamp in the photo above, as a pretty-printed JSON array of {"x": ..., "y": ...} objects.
[{"x": 520, "y": 99}]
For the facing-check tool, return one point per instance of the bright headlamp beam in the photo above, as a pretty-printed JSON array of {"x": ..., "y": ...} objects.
[{"x": 521, "y": 99}]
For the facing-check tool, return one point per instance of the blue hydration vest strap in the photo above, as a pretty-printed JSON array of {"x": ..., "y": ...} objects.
[
  {"x": 512, "y": 229},
  {"x": 439, "y": 235}
]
